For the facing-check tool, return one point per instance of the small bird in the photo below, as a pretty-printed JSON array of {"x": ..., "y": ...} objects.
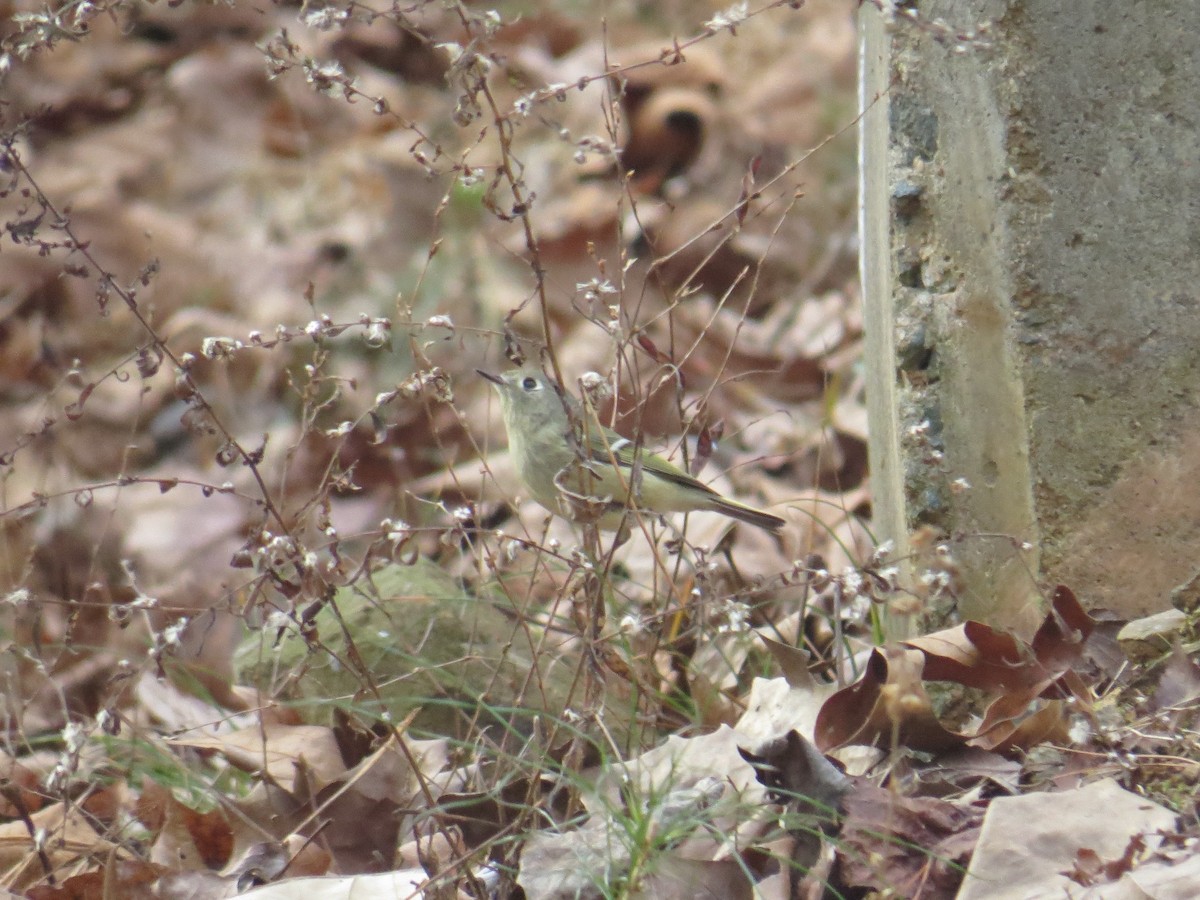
[{"x": 576, "y": 467}]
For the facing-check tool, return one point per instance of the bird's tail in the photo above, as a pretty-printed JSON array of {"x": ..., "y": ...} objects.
[{"x": 747, "y": 514}]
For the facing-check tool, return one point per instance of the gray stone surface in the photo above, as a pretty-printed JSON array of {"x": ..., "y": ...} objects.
[{"x": 1033, "y": 295}]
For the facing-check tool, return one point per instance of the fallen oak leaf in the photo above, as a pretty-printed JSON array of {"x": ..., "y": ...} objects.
[
  {"x": 979, "y": 656},
  {"x": 888, "y": 703},
  {"x": 1005, "y": 732},
  {"x": 1059, "y": 642},
  {"x": 974, "y": 655}
]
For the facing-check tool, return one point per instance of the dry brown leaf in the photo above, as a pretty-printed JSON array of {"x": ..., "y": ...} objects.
[
  {"x": 781, "y": 639},
  {"x": 278, "y": 751},
  {"x": 975, "y": 655},
  {"x": 185, "y": 839},
  {"x": 362, "y": 833},
  {"x": 21, "y": 788},
  {"x": 887, "y": 706},
  {"x": 672, "y": 878},
  {"x": 808, "y": 786},
  {"x": 957, "y": 771},
  {"x": 889, "y": 703},
  {"x": 128, "y": 879},
  {"x": 1153, "y": 881},
  {"x": 912, "y": 846},
  {"x": 1180, "y": 681},
  {"x": 69, "y": 836},
  {"x": 1009, "y": 726}
]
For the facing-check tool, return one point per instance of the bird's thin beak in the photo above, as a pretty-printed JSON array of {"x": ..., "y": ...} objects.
[{"x": 494, "y": 379}]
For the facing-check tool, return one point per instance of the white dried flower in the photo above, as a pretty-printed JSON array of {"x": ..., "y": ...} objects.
[
  {"x": 219, "y": 347},
  {"x": 74, "y": 737},
  {"x": 173, "y": 634},
  {"x": 935, "y": 580},
  {"x": 593, "y": 289},
  {"x": 1080, "y": 731},
  {"x": 729, "y": 18},
  {"x": 595, "y": 387},
  {"x": 378, "y": 333},
  {"x": 19, "y": 597},
  {"x": 890, "y": 574},
  {"x": 281, "y": 622},
  {"x": 452, "y": 49},
  {"x": 631, "y": 624},
  {"x": 326, "y": 76},
  {"x": 325, "y": 18},
  {"x": 276, "y": 551},
  {"x": 852, "y": 580},
  {"x": 737, "y": 618}
]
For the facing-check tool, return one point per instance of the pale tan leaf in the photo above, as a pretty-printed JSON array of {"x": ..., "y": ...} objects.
[
  {"x": 1029, "y": 842},
  {"x": 277, "y": 750}
]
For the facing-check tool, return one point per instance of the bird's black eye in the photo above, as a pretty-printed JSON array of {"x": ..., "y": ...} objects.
[{"x": 529, "y": 383}]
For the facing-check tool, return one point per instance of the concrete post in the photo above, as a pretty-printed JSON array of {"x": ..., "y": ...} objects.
[{"x": 1031, "y": 270}]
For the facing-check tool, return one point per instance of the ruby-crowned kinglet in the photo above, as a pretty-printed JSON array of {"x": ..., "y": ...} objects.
[{"x": 576, "y": 467}]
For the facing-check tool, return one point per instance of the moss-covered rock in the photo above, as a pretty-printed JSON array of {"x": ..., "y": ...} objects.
[{"x": 411, "y": 637}]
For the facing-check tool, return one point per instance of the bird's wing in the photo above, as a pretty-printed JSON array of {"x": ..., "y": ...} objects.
[{"x": 626, "y": 452}]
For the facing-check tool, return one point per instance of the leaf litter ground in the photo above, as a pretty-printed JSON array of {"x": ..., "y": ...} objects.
[{"x": 276, "y": 609}]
